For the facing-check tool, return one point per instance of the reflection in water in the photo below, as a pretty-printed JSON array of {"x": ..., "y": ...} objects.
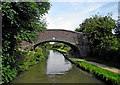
[
  {"x": 56, "y": 63},
  {"x": 56, "y": 69}
]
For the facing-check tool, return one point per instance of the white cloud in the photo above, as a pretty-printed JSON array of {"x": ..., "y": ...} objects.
[{"x": 69, "y": 21}]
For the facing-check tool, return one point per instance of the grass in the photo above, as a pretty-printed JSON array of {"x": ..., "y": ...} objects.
[
  {"x": 103, "y": 74},
  {"x": 106, "y": 75},
  {"x": 108, "y": 63},
  {"x": 60, "y": 50}
]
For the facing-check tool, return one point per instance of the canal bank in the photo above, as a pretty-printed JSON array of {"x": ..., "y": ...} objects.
[
  {"x": 113, "y": 69},
  {"x": 107, "y": 76}
]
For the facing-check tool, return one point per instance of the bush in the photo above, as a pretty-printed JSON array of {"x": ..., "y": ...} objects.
[{"x": 31, "y": 58}]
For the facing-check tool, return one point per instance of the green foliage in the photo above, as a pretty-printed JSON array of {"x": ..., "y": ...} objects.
[
  {"x": 97, "y": 28},
  {"x": 20, "y": 20},
  {"x": 31, "y": 58},
  {"x": 25, "y": 15},
  {"x": 20, "y": 61},
  {"x": 23, "y": 19},
  {"x": 108, "y": 63},
  {"x": 56, "y": 45},
  {"x": 103, "y": 44},
  {"x": 9, "y": 66},
  {"x": 46, "y": 45},
  {"x": 114, "y": 77},
  {"x": 62, "y": 46},
  {"x": 26, "y": 36},
  {"x": 8, "y": 73}
]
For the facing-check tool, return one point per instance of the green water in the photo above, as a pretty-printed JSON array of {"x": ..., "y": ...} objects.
[{"x": 55, "y": 69}]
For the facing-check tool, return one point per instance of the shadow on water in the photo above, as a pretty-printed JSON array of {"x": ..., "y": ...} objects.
[{"x": 55, "y": 69}]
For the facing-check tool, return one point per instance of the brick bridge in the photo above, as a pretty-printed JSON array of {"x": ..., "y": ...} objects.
[{"x": 76, "y": 40}]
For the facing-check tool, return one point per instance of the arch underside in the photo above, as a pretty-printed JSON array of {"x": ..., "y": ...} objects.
[{"x": 75, "y": 49}]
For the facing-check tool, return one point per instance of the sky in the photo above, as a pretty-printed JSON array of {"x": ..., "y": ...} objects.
[{"x": 68, "y": 14}]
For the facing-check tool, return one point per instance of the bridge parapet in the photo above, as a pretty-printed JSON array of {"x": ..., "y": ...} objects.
[
  {"x": 58, "y": 35},
  {"x": 77, "y": 40}
]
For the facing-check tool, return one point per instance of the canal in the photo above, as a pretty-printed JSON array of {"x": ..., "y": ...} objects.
[{"x": 55, "y": 69}]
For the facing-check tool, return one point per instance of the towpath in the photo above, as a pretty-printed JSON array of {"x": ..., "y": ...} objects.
[{"x": 113, "y": 69}]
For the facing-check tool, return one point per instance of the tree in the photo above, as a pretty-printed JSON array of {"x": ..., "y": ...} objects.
[
  {"x": 19, "y": 22},
  {"x": 99, "y": 31}
]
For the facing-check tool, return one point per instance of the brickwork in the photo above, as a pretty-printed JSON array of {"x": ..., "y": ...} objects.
[
  {"x": 76, "y": 40},
  {"x": 58, "y": 35}
]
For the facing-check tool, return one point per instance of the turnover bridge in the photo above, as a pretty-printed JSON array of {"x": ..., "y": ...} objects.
[{"x": 76, "y": 40}]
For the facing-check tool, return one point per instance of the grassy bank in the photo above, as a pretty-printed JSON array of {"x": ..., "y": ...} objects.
[
  {"x": 63, "y": 51},
  {"x": 108, "y": 63},
  {"x": 102, "y": 74},
  {"x": 105, "y": 75},
  {"x": 109, "y": 77}
]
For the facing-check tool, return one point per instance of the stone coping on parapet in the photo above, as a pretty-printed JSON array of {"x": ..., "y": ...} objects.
[{"x": 63, "y": 30}]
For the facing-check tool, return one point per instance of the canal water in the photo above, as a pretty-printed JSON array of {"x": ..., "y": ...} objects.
[{"x": 55, "y": 69}]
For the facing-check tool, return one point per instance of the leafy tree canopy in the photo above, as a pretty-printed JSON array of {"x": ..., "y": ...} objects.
[
  {"x": 98, "y": 29},
  {"x": 19, "y": 22},
  {"x": 21, "y": 19},
  {"x": 103, "y": 43}
]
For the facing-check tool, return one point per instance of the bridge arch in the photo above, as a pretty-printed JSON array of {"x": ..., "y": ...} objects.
[
  {"x": 75, "y": 49},
  {"x": 76, "y": 40}
]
